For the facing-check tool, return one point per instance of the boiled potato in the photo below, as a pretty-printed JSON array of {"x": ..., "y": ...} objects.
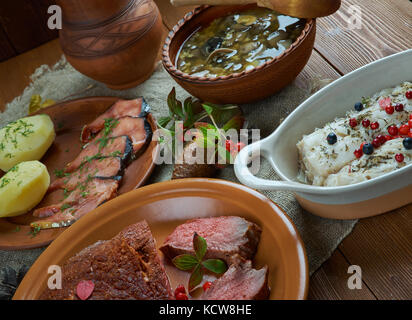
[
  {"x": 22, "y": 188},
  {"x": 25, "y": 139}
]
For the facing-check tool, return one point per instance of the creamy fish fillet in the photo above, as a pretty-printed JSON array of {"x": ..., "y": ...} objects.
[
  {"x": 318, "y": 159},
  {"x": 369, "y": 167}
]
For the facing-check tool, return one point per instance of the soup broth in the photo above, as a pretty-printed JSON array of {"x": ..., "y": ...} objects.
[{"x": 238, "y": 42}]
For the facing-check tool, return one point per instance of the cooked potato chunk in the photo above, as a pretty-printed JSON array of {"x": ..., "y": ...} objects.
[
  {"x": 22, "y": 188},
  {"x": 25, "y": 139}
]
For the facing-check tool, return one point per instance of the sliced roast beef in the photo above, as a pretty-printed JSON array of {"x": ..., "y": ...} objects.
[
  {"x": 125, "y": 267},
  {"x": 225, "y": 237},
  {"x": 240, "y": 282},
  {"x": 123, "y": 108}
]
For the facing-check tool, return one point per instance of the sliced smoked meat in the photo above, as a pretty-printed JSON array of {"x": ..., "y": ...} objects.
[
  {"x": 119, "y": 146},
  {"x": 103, "y": 168},
  {"x": 92, "y": 193},
  {"x": 137, "y": 129},
  {"x": 240, "y": 282},
  {"x": 125, "y": 267},
  {"x": 123, "y": 108},
  {"x": 225, "y": 237}
]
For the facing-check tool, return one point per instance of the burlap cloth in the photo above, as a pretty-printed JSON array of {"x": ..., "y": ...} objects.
[{"x": 62, "y": 82}]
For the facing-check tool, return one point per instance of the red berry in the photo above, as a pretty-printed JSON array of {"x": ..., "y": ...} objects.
[
  {"x": 366, "y": 123},
  {"x": 410, "y": 134},
  {"x": 410, "y": 116},
  {"x": 399, "y": 107},
  {"x": 404, "y": 130},
  {"x": 375, "y": 125},
  {"x": 358, "y": 153},
  {"x": 181, "y": 296},
  {"x": 408, "y": 94},
  {"x": 180, "y": 289},
  {"x": 399, "y": 157},
  {"x": 240, "y": 146},
  {"x": 376, "y": 143},
  {"x": 381, "y": 138},
  {"x": 206, "y": 285},
  {"x": 389, "y": 109},
  {"x": 388, "y": 137},
  {"x": 353, "y": 122},
  {"x": 229, "y": 145},
  {"x": 393, "y": 130},
  {"x": 410, "y": 123}
]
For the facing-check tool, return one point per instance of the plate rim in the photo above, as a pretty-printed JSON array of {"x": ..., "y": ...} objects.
[{"x": 102, "y": 216}]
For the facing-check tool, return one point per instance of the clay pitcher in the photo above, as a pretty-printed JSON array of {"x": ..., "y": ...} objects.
[{"x": 112, "y": 41}]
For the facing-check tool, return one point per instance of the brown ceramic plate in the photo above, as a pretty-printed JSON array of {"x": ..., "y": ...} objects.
[
  {"x": 166, "y": 205},
  {"x": 69, "y": 118}
]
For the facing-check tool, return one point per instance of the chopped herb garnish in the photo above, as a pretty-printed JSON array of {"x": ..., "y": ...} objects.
[
  {"x": 65, "y": 206},
  {"x": 34, "y": 230}
]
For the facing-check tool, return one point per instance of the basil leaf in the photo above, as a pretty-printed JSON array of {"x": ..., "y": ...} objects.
[
  {"x": 200, "y": 246},
  {"x": 196, "y": 277},
  {"x": 185, "y": 262},
  {"x": 215, "y": 265}
]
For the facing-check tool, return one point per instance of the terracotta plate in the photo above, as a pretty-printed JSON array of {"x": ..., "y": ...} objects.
[
  {"x": 69, "y": 118},
  {"x": 166, "y": 205}
]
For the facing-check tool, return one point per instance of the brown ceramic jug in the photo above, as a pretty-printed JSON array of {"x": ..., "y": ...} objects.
[{"x": 112, "y": 41}]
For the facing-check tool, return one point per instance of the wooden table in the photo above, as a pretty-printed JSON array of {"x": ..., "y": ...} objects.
[{"x": 381, "y": 246}]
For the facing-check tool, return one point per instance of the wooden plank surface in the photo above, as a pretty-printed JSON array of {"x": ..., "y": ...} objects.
[
  {"x": 330, "y": 282},
  {"x": 386, "y": 29},
  {"x": 380, "y": 245}
]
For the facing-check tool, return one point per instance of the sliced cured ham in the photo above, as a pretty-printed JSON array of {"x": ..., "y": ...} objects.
[{"x": 123, "y": 108}]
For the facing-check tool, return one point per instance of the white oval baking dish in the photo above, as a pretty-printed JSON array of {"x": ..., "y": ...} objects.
[{"x": 365, "y": 199}]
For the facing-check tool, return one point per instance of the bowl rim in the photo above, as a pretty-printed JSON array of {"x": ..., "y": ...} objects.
[{"x": 175, "y": 72}]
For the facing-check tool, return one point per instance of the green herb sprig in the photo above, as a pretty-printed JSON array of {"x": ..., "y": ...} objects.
[{"x": 197, "y": 264}]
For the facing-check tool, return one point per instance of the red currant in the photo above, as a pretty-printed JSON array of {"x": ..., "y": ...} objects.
[
  {"x": 180, "y": 289},
  {"x": 389, "y": 109},
  {"x": 181, "y": 296},
  {"x": 366, "y": 123},
  {"x": 404, "y": 130},
  {"x": 376, "y": 143},
  {"x": 358, "y": 153},
  {"x": 399, "y": 107},
  {"x": 408, "y": 94},
  {"x": 410, "y": 134},
  {"x": 388, "y": 137},
  {"x": 206, "y": 285},
  {"x": 353, "y": 122},
  {"x": 393, "y": 130},
  {"x": 410, "y": 123},
  {"x": 381, "y": 138},
  {"x": 240, "y": 146},
  {"x": 374, "y": 125},
  {"x": 399, "y": 157},
  {"x": 229, "y": 145}
]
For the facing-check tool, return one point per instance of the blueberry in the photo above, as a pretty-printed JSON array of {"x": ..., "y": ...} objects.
[
  {"x": 407, "y": 143},
  {"x": 332, "y": 138},
  {"x": 367, "y": 148},
  {"x": 358, "y": 106}
]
